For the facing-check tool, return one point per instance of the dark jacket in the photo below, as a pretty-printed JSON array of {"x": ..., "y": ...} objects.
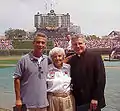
[{"x": 88, "y": 78}]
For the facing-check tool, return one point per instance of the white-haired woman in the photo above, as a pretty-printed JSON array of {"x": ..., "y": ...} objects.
[{"x": 58, "y": 81}]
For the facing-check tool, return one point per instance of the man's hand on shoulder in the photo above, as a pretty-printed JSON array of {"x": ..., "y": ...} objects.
[{"x": 68, "y": 58}]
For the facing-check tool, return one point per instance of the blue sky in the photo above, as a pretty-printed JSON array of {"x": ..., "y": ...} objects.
[{"x": 97, "y": 17}]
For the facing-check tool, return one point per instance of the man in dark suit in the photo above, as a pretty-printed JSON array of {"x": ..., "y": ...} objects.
[{"x": 88, "y": 77}]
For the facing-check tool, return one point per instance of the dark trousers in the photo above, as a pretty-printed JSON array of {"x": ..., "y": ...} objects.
[{"x": 85, "y": 108}]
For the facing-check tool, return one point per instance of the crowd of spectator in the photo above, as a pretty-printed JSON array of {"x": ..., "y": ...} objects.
[
  {"x": 6, "y": 44},
  {"x": 91, "y": 43},
  {"x": 103, "y": 43},
  {"x": 63, "y": 42}
]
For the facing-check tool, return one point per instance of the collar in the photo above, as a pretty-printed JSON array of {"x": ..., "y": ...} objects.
[
  {"x": 82, "y": 54},
  {"x": 32, "y": 58}
]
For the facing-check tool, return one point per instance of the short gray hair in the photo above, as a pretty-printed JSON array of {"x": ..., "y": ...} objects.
[
  {"x": 56, "y": 50},
  {"x": 77, "y": 36}
]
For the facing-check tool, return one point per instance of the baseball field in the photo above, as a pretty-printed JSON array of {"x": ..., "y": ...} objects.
[{"x": 8, "y": 61}]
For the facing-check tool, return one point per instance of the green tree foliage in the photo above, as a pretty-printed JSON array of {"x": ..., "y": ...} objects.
[
  {"x": 15, "y": 33},
  {"x": 92, "y": 37}
]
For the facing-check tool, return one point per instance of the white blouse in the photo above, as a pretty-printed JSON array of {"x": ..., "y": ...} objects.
[{"x": 58, "y": 80}]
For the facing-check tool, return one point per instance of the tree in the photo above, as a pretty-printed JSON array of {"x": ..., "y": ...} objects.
[
  {"x": 15, "y": 33},
  {"x": 93, "y": 36},
  {"x": 9, "y": 33}
]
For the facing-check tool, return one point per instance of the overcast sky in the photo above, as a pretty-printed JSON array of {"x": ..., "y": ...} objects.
[{"x": 98, "y": 17}]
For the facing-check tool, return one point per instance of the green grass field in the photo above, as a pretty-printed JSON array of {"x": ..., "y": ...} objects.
[{"x": 8, "y": 61}]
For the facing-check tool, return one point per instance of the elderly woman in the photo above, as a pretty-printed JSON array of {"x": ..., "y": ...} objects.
[{"x": 58, "y": 81}]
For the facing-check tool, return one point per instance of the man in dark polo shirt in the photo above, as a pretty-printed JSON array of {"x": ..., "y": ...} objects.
[
  {"x": 88, "y": 76},
  {"x": 30, "y": 77}
]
